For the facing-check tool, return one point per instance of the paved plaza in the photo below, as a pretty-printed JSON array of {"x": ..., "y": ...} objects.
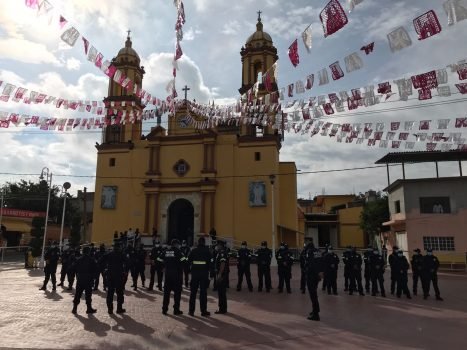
[{"x": 33, "y": 319}]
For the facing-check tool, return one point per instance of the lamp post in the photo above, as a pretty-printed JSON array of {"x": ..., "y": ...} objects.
[
  {"x": 48, "y": 176},
  {"x": 65, "y": 188},
  {"x": 272, "y": 178}
]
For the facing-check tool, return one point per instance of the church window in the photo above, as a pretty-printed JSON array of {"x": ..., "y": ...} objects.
[
  {"x": 181, "y": 167},
  {"x": 257, "y": 156},
  {"x": 112, "y": 162}
]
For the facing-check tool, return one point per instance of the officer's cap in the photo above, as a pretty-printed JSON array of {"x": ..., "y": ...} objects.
[
  {"x": 201, "y": 241},
  {"x": 417, "y": 250},
  {"x": 395, "y": 248},
  {"x": 244, "y": 243},
  {"x": 175, "y": 241},
  {"x": 329, "y": 247},
  {"x": 282, "y": 244},
  {"x": 264, "y": 243},
  {"x": 429, "y": 250},
  {"x": 183, "y": 242},
  {"x": 86, "y": 250},
  {"x": 220, "y": 242}
]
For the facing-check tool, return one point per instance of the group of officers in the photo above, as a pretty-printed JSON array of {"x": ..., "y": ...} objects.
[{"x": 178, "y": 261}]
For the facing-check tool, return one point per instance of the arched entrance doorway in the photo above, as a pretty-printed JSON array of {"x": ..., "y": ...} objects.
[{"x": 180, "y": 221}]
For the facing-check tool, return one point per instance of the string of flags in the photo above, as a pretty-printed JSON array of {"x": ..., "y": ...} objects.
[
  {"x": 71, "y": 35},
  {"x": 181, "y": 19}
]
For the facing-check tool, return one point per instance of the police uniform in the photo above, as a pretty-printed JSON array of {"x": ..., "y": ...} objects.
[
  {"x": 199, "y": 261},
  {"x": 366, "y": 274},
  {"x": 356, "y": 272},
  {"x": 221, "y": 277},
  {"x": 157, "y": 265},
  {"x": 100, "y": 268},
  {"x": 314, "y": 267},
  {"x": 394, "y": 274},
  {"x": 402, "y": 266},
  {"x": 284, "y": 267},
  {"x": 140, "y": 267},
  {"x": 347, "y": 267},
  {"x": 303, "y": 269},
  {"x": 65, "y": 264},
  {"x": 331, "y": 265},
  {"x": 173, "y": 260},
  {"x": 116, "y": 270},
  {"x": 243, "y": 267},
  {"x": 85, "y": 268},
  {"x": 263, "y": 260},
  {"x": 51, "y": 257},
  {"x": 186, "y": 267},
  {"x": 376, "y": 262},
  {"x": 417, "y": 266},
  {"x": 430, "y": 274}
]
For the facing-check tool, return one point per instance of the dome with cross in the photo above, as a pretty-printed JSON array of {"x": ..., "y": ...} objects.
[{"x": 259, "y": 38}]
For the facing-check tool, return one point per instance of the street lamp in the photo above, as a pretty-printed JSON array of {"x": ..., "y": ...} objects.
[
  {"x": 65, "y": 188},
  {"x": 272, "y": 178},
  {"x": 48, "y": 176}
]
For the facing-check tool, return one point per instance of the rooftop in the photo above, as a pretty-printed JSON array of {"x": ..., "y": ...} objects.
[
  {"x": 423, "y": 157},
  {"x": 437, "y": 180}
]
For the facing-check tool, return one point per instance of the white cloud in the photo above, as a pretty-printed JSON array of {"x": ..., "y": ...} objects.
[
  {"x": 73, "y": 64},
  {"x": 26, "y": 51},
  {"x": 191, "y": 34},
  {"x": 231, "y": 28}
]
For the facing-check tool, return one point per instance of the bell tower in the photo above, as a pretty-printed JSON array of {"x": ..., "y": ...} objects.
[
  {"x": 258, "y": 56},
  {"x": 128, "y": 62}
]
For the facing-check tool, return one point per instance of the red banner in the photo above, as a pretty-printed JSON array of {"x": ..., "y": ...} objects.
[{"x": 22, "y": 213}]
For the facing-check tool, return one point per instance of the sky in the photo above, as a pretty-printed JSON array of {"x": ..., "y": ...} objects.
[{"x": 33, "y": 56}]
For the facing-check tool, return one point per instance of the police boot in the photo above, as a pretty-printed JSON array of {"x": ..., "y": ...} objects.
[
  {"x": 54, "y": 287},
  {"x": 120, "y": 310},
  {"x": 439, "y": 298},
  {"x": 90, "y": 310},
  {"x": 110, "y": 309},
  {"x": 43, "y": 287},
  {"x": 60, "y": 284},
  {"x": 314, "y": 317},
  {"x": 75, "y": 309}
]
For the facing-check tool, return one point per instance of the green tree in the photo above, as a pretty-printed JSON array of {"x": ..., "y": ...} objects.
[{"x": 374, "y": 213}]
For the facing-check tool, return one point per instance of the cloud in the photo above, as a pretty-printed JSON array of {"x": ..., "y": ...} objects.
[
  {"x": 26, "y": 51},
  {"x": 191, "y": 34},
  {"x": 73, "y": 64},
  {"x": 231, "y": 28}
]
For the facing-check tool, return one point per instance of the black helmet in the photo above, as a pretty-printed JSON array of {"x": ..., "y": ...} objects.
[
  {"x": 220, "y": 242},
  {"x": 175, "y": 241},
  {"x": 201, "y": 241},
  {"x": 183, "y": 242},
  {"x": 264, "y": 243},
  {"x": 417, "y": 250},
  {"x": 283, "y": 244},
  {"x": 244, "y": 243},
  {"x": 86, "y": 250}
]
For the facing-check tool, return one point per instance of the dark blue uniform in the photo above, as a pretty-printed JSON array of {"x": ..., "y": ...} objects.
[
  {"x": 417, "y": 267},
  {"x": 85, "y": 267},
  {"x": 347, "y": 268},
  {"x": 157, "y": 265},
  {"x": 303, "y": 270},
  {"x": 314, "y": 267},
  {"x": 263, "y": 260},
  {"x": 51, "y": 257},
  {"x": 199, "y": 261},
  {"x": 429, "y": 275},
  {"x": 331, "y": 265},
  {"x": 356, "y": 261},
  {"x": 402, "y": 266},
  {"x": 186, "y": 267},
  {"x": 377, "y": 264},
  {"x": 173, "y": 260},
  {"x": 116, "y": 273},
  {"x": 243, "y": 267},
  {"x": 221, "y": 280},
  {"x": 284, "y": 268}
]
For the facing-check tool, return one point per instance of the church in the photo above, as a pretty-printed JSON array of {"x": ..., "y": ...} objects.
[{"x": 184, "y": 181}]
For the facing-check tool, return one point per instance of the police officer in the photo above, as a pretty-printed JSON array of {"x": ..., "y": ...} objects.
[
  {"x": 392, "y": 259},
  {"x": 314, "y": 273},
  {"x": 221, "y": 276},
  {"x": 243, "y": 267},
  {"x": 347, "y": 267},
  {"x": 302, "y": 260},
  {"x": 173, "y": 261},
  {"x": 417, "y": 266},
  {"x": 65, "y": 265},
  {"x": 263, "y": 260},
  {"x": 331, "y": 265},
  {"x": 85, "y": 268},
  {"x": 377, "y": 263},
  {"x": 284, "y": 267},
  {"x": 212, "y": 270},
  {"x": 99, "y": 257},
  {"x": 116, "y": 266},
  {"x": 70, "y": 272},
  {"x": 199, "y": 260},
  {"x": 356, "y": 272},
  {"x": 157, "y": 265},
  {"x": 430, "y": 274},
  {"x": 402, "y": 266},
  {"x": 140, "y": 266},
  {"x": 366, "y": 260},
  {"x": 51, "y": 257},
  {"x": 325, "y": 278},
  {"x": 185, "y": 249}
]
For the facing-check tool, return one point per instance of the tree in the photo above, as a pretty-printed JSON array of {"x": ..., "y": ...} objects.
[{"x": 374, "y": 213}]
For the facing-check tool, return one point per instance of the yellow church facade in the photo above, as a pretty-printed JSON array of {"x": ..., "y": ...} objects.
[{"x": 183, "y": 181}]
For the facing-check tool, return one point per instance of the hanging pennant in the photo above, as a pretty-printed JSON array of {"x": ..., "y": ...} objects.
[
  {"x": 395, "y": 144},
  {"x": 293, "y": 53},
  {"x": 409, "y": 145},
  {"x": 384, "y": 88},
  {"x": 353, "y": 62},
  {"x": 462, "y": 87},
  {"x": 455, "y": 11},
  {"x": 461, "y": 123},
  {"x": 178, "y": 51},
  {"x": 405, "y": 88},
  {"x": 336, "y": 71},
  {"x": 306, "y": 36},
  {"x": 32, "y": 4},
  {"x": 62, "y": 22},
  {"x": 462, "y": 73},
  {"x": 424, "y": 125},
  {"x": 383, "y": 144},
  {"x": 86, "y": 45},
  {"x": 70, "y": 36},
  {"x": 442, "y": 76},
  {"x": 309, "y": 81},
  {"x": 323, "y": 77},
  {"x": 390, "y": 135},
  {"x": 403, "y": 136},
  {"x": 444, "y": 91},
  {"x": 299, "y": 87},
  {"x": 427, "y": 25},
  {"x": 431, "y": 146},
  {"x": 333, "y": 97},
  {"x": 368, "y": 48},
  {"x": 333, "y": 18},
  {"x": 328, "y": 109},
  {"x": 395, "y": 126},
  {"x": 290, "y": 90},
  {"x": 353, "y": 3},
  {"x": 424, "y": 94},
  {"x": 399, "y": 39}
]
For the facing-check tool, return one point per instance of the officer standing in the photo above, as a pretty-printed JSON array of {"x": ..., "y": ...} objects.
[
  {"x": 430, "y": 274},
  {"x": 157, "y": 265},
  {"x": 402, "y": 266},
  {"x": 264, "y": 256},
  {"x": 173, "y": 261},
  {"x": 86, "y": 268},
  {"x": 243, "y": 267},
  {"x": 366, "y": 260},
  {"x": 325, "y": 278},
  {"x": 185, "y": 249},
  {"x": 377, "y": 264},
  {"x": 51, "y": 257},
  {"x": 65, "y": 264},
  {"x": 347, "y": 267},
  {"x": 116, "y": 266},
  {"x": 140, "y": 266},
  {"x": 212, "y": 272},
  {"x": 199, "y": 260},
  {"x": 303, "y": 269},
  {"x": 100, "y": 267},
  {"x": 356, "y": 272},
  {"x": 392, "y": 264},
  {"x": 221, "y": 276},
  {"x": 284, "y": 267},
  {"x": 314, "y": 272},
  {"x": 417, "y": 266},
  {"x": 331, "y": 265}
]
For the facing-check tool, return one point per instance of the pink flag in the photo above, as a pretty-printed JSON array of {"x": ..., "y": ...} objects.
[
  {"x": 333, "y": 17},
  {"x": 368, "y": 48},
  {"x": 427, "y": 25},
  {"x": 431, "y": 146},
  {"x": 336, "y": 71},
  {"x": 86, "y": 45},
  {"x": 62, "y": 21},
  {"x": 384, "y": 88},
  {"x": 395, "y": 126},
  {"x": 309, "y": 81},
  {"x": 293, "y": 53},
  {"x": 424, "y": 125},
  {"x": 32, "y": 3},
  {"x": 424, "y": 94},
  {"x": 461, "y": 122},
  {"x": 462, "y": 87},
  {"x": 425, "y": 81},
  {"x": 178, "y": 51},
  {"x": 462, "y": 73}
]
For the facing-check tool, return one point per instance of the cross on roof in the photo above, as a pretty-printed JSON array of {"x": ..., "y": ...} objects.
[
  {"x": 259, "y": 15},
  {"x": 186, "y": 88},
  {"x": 128, "y": 31}
]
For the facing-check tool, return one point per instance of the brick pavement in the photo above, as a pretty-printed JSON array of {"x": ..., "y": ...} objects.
[{"x": 30, "y": 318}]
